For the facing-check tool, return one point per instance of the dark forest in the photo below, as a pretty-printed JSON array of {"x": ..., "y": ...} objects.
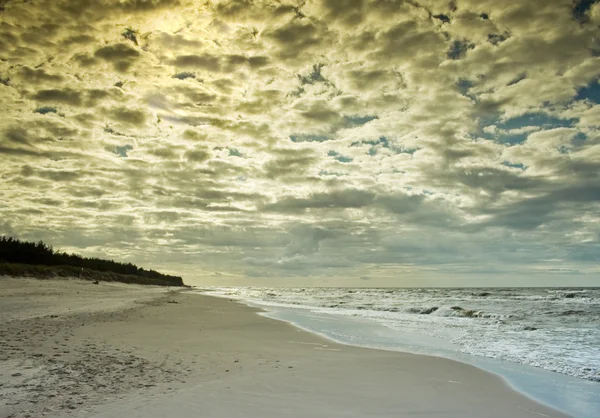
[{"x": 14, "y": 253}]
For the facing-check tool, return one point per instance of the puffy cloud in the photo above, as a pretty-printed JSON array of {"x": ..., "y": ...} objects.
[{"x": 312, "y": 138}]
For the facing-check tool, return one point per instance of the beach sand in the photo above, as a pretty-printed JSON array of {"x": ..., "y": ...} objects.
[{"x": 70, "y": 348}]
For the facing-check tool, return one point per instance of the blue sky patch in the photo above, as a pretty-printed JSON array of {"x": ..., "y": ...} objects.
[
  {"x": 337, "y": 156},
  {"x": 122, "y": 151},
  {"x": 591, "y": 92},
  {"x": 464, "y": 85},
  {"x": 383, "y": 142},
  {"x": 358, "y": 120},
  {"x": 184, "y": 75},
  {"x": 581, "y": 8},
  {"x": 45, "y": 109},
  {"x": 330, "y": 173},
  {"x": 536, "y": 119},
  {"x": 514, "y": 165},
  {"x": 233, "y": 152},
  {"x": 314, "y": 77},
  {"x": 541, "y": 120},
  {"x": 403, "y": 150},
  {"x": 444, "y": 18},
  {"x": 497, "y": 38},
  {"x": 458, "y": 49}
]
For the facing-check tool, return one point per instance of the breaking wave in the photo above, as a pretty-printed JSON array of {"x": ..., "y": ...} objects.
[{"x": 554, "y": 329}]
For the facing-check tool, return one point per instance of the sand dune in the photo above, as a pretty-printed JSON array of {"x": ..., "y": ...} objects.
[{"x": 71, "y": 348}]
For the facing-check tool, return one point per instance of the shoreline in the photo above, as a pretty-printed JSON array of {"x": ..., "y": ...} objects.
[
  {"x": 528, "y": 373},
  {"x": 483, "y": 363},
  {"x": 185, "y": 354}
]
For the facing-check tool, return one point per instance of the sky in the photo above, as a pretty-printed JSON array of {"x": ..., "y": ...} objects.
[{"x": 296, "y": 143}]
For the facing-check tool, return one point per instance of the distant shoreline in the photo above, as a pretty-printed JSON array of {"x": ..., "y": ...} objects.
[
  {"x": 45, "y": 272},
  {"x": 19, "y": 258}
]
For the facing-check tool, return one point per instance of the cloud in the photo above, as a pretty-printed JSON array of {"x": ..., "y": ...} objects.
[
  {"x": 289, "y": 163},
  {"x": 121, "y": 55},
  {"x": 135, "y": 117},
  {"x": 206, "y": 62},
  {"x": 334, "y": 200},
  {"x": 319, "y": 138},
  {"x": 66, "y": 96},
  {"x": 305, "y": 240}
]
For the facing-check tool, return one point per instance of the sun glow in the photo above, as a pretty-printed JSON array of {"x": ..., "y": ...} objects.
[{"x": 164, "y": 21}]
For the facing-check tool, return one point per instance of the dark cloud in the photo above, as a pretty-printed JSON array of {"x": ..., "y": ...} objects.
[
  {"x": 205, "y": 61},
  {"x": 491, "y": 180},
  {"x": 322, "y": 114},
  {"x": 197, "y": 155},
  {"x": 73, "y": 97},
  {"x": 77, "y": 39},
  {"x": 410, "y": 39},
  {"x": 37, "y": 76},
  {"x": 175, "y": 41},
  {"x": 16, "y": 134},
  {"x": 401, "y": 204},
  {"x": 232, "y": 8},
  {"x": 321, "y": 137},
  {"x": 258, "y": 61},
  {"x": 136, "y": 5},
  {"x": 255, "y": 62},
  {"x": 96, "y": 10},
  {"x": 84, "y": 59},
  {"x": 297, "y": 37},
  {"x": 289, "y": 163},
  {"x": 306, "y": 239},
  {"x": 39, "y": 131},
  {"x": 66, "y": 96},
  {"x": 545, "y": 209},
  {"x": 50, "y": 174},
  {"x": 121, "y": 55},
  {"x": 134, "y": 117},
  {"x": 347, "y": 12},
  {"x": 117, "y": 52},
  {"x": 333, "y": 200}
]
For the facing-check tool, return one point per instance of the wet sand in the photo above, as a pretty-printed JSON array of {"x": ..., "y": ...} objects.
[{"x": 72, "y": 348}]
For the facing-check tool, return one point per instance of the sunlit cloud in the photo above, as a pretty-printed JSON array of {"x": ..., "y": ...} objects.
[{"x": 305, "y": 139}]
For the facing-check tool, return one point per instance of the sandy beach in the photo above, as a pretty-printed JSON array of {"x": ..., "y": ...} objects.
[{"x": 72, "y": 348}]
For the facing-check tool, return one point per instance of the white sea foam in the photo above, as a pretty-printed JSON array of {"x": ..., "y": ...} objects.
[{"x": 554, "y": 329}]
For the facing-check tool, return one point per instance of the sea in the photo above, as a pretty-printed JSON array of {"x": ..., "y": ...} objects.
[{"x": 545, "y": 342}]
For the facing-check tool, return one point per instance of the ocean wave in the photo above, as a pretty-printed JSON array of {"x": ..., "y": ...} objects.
[
  {"x": 555, "y": 329},
  {"x": 572, "y": 312},
  {"x": 421, "y": 311},
  {"x": 440, "y": 311},
  {"x": 460, "y": 312}
]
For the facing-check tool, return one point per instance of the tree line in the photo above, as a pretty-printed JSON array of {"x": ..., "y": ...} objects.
[{"x": 13, "y": 250}]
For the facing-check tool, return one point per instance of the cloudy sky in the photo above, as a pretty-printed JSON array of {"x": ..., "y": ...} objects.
[{"x": 370, "y": 142}]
